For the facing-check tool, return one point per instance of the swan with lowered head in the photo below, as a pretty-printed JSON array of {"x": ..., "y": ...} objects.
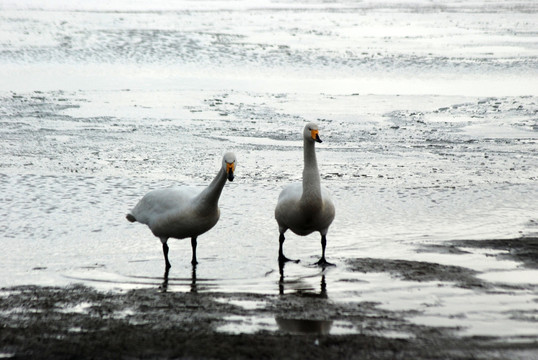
[
  {"x": 183, "y": 212},
  {"x": 306, "y": 207}
]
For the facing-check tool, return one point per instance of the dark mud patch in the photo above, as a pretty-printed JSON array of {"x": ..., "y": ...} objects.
[
  {"x": 79, "y": 322},
  {"x": 419, "y": 271},
  {"x": 523, "y": 250}
]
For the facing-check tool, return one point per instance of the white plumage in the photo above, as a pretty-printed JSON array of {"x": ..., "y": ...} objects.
[
  {"x": 306, "y": 207},
  {"x": 183, "y": 212}
]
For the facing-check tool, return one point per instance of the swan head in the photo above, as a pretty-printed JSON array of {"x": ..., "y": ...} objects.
[
  {"x": 228, "y": 163},
  {"x": 311, "y": 132}
]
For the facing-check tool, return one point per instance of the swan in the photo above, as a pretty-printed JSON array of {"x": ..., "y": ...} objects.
[
  {"x": 307, "y": 207},
  {"x": 183, "y": 212}
]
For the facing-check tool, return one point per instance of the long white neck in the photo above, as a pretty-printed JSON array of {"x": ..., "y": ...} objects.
[
  {"x": 210, "y": 195},
  {"x": 311, "y": 182}
]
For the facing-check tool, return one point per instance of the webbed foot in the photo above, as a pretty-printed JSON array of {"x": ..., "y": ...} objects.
[
  {"x": 282, "y": 259},
  {"x": 324, "y": 263}
]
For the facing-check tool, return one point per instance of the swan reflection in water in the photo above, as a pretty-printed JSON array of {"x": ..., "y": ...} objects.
[
  {"x": 300, "y": 286},
  {"x": 304, "y": 326},
  {"x": 300, "y": 325},
  {"x": 194, "y": 286}
]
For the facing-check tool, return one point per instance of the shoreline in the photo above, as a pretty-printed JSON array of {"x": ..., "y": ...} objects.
[{"x": 62, "y": 322}]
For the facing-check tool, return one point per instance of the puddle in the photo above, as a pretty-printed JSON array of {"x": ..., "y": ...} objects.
[
  {"x": 393, "y": 334},
  {"x": 321, "y": 327},
  {"x": 81, "y": 308},
  {"x": 237, "y": 324},
  {"x": 482, "y": 314},
  {"x": 485, "y": 324},
  {"x": 244, "y": 304},
  {"x": 514, "y": 277},
  {"x": 76, "y": 329},
  {"x": 251, "y": 324}
]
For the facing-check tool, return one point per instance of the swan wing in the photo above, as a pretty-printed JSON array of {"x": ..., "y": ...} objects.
[
  {"x": 287, "y": 206},
  {"x": 157, "y": 203}
]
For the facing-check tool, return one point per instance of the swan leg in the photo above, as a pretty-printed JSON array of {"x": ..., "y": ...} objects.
[
  {"x": 164, "y": 285},
  {"x": 194, "y": 243},
  {"x": 322, "y": 261},
  {"x": 165, "y": 252},
  {"x": 281, "y": 257}
]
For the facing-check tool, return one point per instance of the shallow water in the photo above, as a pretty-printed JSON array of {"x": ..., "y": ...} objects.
[{"x": 429, "y": 122}]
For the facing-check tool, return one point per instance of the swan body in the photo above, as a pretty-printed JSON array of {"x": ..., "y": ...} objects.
[
  {"x": 183, "y": 212},
  {"x": 175, "y": 213},
  {"x": 303, "y": 218},
  {"x": 306, "y": 207}
]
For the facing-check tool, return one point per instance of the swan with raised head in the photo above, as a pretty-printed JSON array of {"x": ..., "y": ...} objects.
[
  {"x": 306, "y": 207},
  {"x": 183, "y": 212}
]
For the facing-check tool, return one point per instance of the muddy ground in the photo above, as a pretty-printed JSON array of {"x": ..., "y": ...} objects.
[{"x": 81, "y": 322}]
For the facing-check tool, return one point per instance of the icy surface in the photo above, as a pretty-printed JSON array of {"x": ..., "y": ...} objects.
[{"x": 428, "y": 112}]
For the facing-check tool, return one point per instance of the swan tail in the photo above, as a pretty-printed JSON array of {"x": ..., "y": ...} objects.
[{"x": 131, "y": 218}]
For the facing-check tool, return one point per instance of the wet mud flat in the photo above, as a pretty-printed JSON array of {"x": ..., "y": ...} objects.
[
  {"x": 48, "y": 323},
  {"x": 79, "y": 321}
]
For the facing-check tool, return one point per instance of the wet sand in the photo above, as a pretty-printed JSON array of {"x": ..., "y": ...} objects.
[{"x": 80, "y": 322}]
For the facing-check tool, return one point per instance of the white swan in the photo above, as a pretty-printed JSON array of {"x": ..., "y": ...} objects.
[
  {"x": 307, "y": 207},
  {"x": 183, "y": 212}
]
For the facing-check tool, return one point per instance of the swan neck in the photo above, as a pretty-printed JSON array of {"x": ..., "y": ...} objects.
[
  {"x": 211, "y": 194},
  {"x": 311, "y": 181}
]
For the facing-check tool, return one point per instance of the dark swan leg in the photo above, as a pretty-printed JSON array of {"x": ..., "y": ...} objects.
[
  {"x": 322, "y": 261},
  {"x": 281, "y": 257},
  {"x": 194, "y": 243},
  {"x": 166, "y": 262},
  {"x": 281, "y": 265},
  {"x": 194, "y": 287},
  {"x": 164, "y": 285}
]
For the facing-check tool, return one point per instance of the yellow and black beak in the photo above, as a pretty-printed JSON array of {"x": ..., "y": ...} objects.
[
  {"x": 315, "y": 135},
  {"x": 230, "y": 168}
]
